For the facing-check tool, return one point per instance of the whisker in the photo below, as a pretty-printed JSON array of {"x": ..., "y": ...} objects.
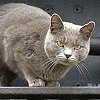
[
  {"x": 48, "y": 65},
  {"x": 47, "y": 62},
  {"x": 85, "y": 67},
  {"x": 82, "y": 71},
  {"x": 55, "y": 63},
  {"x": 51, "y": 65}
]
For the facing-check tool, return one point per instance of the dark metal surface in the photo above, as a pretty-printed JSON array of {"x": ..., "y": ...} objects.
[
  {"x": 54, "y": 93},
  {"x": 95, "y": 46}
]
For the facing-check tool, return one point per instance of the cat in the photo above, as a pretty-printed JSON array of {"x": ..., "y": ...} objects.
[{"x": 39, "y": 47}]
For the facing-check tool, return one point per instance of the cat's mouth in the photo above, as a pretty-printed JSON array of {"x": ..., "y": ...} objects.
[{"x": 68, "y": 61}]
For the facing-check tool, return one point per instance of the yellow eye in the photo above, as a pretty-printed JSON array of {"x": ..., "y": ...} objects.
[
  {"x": 60, "y": 44},
  {"x": 77, "y": 47}
]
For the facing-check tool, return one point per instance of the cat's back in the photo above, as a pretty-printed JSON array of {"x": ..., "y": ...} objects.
[
  {"x": 6, "y": 8},
  {"x": 21, "y": 13}
]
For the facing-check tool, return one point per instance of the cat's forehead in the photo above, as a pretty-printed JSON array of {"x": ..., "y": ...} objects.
[
  {"x": 71, "y": 31},
  {"x": 72, "y": 26}
]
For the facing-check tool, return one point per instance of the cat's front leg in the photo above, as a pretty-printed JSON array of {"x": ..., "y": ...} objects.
[
  {"x": 25, "y": 68},
  {"x": 32, "y": 80}
]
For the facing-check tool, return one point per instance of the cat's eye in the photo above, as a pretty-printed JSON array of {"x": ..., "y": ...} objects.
[
  {"x": 60, "y": 44},
  {"x": 77, "y": 47}
]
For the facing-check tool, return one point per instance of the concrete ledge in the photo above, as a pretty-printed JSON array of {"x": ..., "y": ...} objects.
[{"x": 63, "y": 93}]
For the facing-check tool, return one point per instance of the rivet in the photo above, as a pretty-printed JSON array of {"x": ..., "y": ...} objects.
[{"x": 77, "y": 8}]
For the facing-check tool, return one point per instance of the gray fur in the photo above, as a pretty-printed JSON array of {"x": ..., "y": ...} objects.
[{"x": 28, "y": 48}]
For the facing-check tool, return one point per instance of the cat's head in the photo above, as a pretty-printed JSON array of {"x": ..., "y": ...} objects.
[{"x": 68, "y": 43}]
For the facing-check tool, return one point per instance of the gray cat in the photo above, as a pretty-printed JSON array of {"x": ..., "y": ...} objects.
[{"x": 38, "y": 47}]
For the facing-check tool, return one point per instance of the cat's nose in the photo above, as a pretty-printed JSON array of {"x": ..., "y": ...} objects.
[{"x": 67, "y": 55}]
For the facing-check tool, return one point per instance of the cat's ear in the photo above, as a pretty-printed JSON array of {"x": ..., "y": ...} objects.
[
  {"x": 56, "y": 23},
  {"x": 87, "y": 29}
]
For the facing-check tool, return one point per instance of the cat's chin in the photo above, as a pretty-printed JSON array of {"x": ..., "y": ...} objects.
[{"x": 64, "y": 63}]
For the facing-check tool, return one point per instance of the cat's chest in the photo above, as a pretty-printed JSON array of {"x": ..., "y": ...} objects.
[{"x": 56, "y": 73}]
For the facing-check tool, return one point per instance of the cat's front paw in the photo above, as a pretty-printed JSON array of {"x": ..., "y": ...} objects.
[
  {"x": 37, "y": 83},
  {"x": 53, "y": 84}
]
